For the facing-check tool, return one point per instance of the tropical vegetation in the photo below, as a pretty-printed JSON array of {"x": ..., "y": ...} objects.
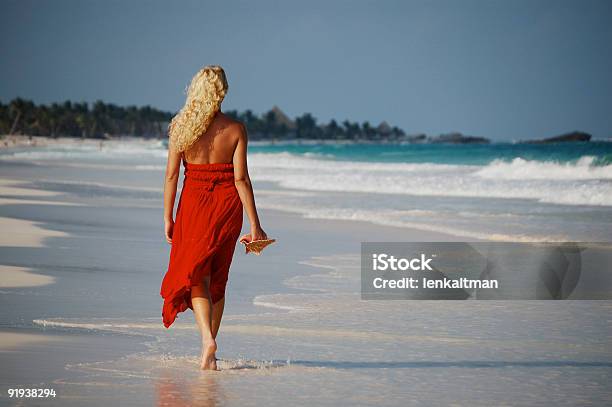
[{"x": 107, "y": 120}]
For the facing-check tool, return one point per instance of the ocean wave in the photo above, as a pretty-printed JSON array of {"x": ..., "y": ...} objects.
[
  {"x": 88, "y": 149},
  {"x": 585, "y": 168},
  {"x": 109, "y": 324},
  {"x": 579, "y": 183},
  {"x": 287, "y": 160}
]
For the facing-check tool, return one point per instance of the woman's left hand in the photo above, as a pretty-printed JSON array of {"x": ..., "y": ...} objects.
[
  {"x": 168, "y": 228},
  {"x": 257, "y": 233}
]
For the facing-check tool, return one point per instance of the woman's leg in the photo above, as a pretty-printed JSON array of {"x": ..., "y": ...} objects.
[
  {"x": 203, "y": 311},
  {"x": 221, "y": 264},
  {"x": 217, "y": 314}
]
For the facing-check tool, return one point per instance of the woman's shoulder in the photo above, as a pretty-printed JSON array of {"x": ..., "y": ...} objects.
[{"x": 233, "y": 126}]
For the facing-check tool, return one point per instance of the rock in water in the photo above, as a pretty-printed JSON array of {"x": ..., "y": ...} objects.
[{"x": 573, "y": 136}]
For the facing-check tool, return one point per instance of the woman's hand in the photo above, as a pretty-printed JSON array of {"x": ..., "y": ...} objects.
[
  {"x": 257, "y": 233},
  {"x": 168, "y": 228}
]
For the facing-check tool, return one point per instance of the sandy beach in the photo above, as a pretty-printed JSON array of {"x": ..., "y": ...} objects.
[
  {"x": 22, "y": 233},
  {"x": 80, "y": 311}
]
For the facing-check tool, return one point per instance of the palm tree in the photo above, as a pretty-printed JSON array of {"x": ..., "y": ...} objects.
[
  {"x": 306, "y": 126},
  {"x": 20, "y": 110},
  {"x": 333, "y": 131}
]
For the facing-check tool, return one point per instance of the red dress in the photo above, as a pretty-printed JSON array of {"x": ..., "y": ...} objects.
[{"x": 207, "y": 226}]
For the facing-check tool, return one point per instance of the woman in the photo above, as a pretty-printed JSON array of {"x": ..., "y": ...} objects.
[{"x": 216, "y": 187}]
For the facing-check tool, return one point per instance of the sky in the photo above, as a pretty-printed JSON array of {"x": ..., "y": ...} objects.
[{"x": 506, "y": 70}]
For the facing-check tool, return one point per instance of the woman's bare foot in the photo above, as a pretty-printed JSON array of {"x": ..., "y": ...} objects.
[{"x": 209, "y": 360}]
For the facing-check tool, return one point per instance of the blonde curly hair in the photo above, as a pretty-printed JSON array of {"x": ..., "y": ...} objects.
[{"x": 204, "y": 96}]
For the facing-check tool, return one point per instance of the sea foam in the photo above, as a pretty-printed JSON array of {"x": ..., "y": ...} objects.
[{"x": 577, "y": 183}]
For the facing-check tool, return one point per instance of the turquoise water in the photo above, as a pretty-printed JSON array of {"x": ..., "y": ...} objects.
[
  {"x": 500, "y": 191},
  {"x": 472, "y": 154}
]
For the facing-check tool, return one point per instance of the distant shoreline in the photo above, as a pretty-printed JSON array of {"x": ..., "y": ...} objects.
[
  {"x": 21, "y": 141},
  {"x": 104, "y": 121}
]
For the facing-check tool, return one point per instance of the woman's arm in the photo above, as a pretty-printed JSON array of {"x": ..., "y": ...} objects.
[
  {"x": 243, "y": 185},
  {"x": 171, "y": 181}
]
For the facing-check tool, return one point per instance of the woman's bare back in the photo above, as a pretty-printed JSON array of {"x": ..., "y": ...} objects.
[{"x": 217, "y": 144}]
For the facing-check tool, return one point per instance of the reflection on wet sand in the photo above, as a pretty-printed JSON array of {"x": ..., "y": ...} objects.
[{"x": 204, "y": 390}]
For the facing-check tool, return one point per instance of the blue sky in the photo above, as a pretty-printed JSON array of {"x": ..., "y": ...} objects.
[{"x": 500, "y": 69}]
